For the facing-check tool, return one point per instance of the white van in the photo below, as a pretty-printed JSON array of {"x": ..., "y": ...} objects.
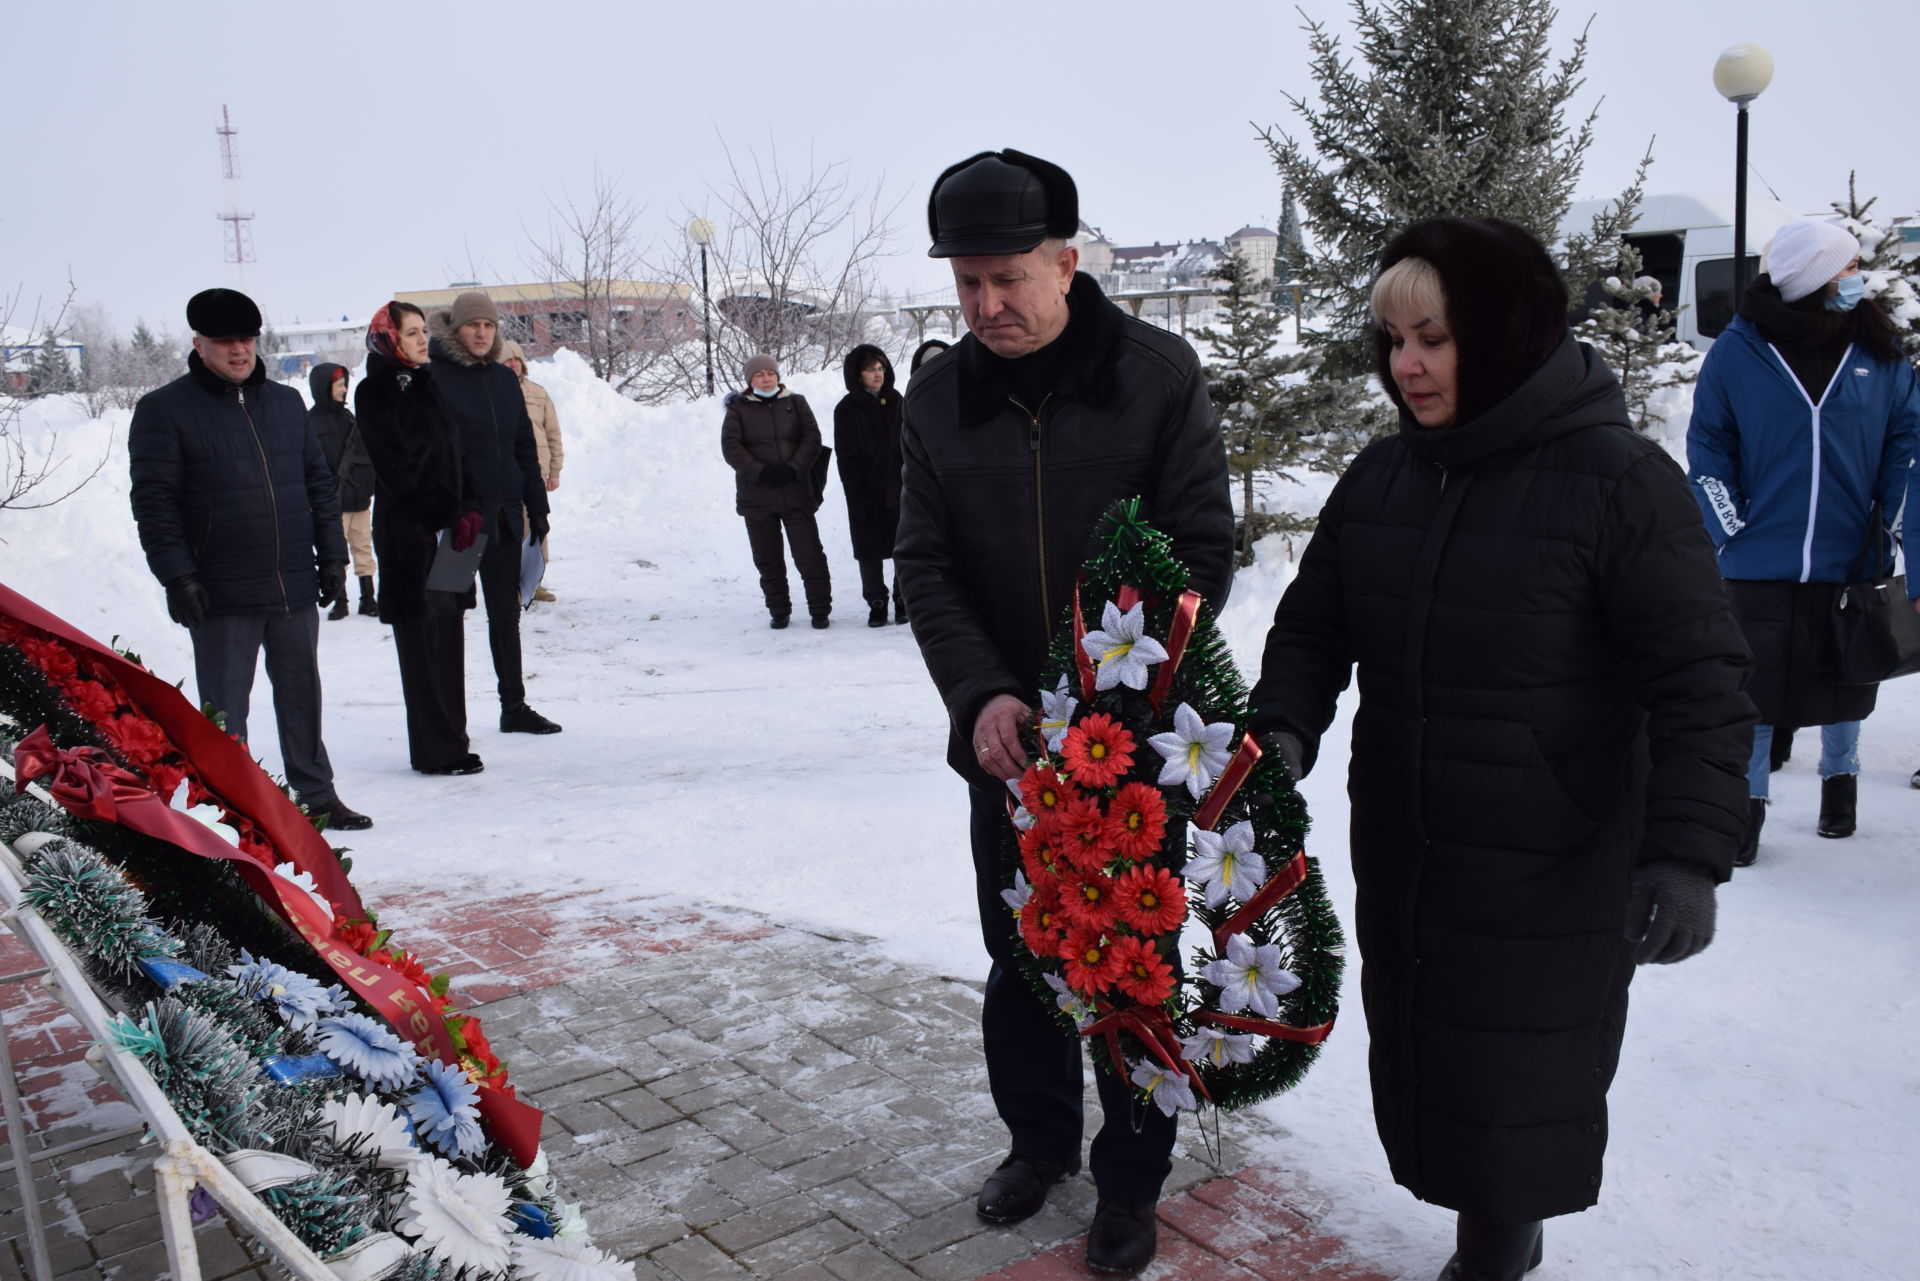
[{"x": 1686, "y": 243}]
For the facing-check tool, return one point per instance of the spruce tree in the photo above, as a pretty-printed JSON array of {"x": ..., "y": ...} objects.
[
  {"x": 1291, "y": 254},
  {"x": 1629, "y": 330},
  {"x": 1452, "y": 107},
  {"x": 51, "y": 373},
  {"x": 1892, "y": 281}
]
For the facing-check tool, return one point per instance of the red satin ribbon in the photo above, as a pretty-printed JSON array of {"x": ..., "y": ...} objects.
[
  {"x": 1229, "y": 782},
  {"x": 1185, "y": 613},
  {"x": 1266, "y": 1027},
  {"x": 1154, "y": 1029},
  {"x": 1278, "y": 886},
  {"x": 1081, "y": 663}
]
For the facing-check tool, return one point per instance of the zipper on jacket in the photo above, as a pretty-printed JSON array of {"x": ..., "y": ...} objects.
[
  {"x": 1813, "y": 481},
  {"x": 1039, "y": 512},
  {"x": 273, "y": 501}
]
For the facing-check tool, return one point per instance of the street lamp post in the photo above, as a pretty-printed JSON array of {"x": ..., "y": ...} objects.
[
  {"x": 700, "y": 232},
  {"x": 1741, "y": 74}
]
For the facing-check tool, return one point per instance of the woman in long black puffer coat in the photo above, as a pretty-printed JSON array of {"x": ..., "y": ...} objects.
[
  {"x": 422, "y": 485},
  {"x": 866, "y": 441},
  {"x": 1548, "y": 756}
]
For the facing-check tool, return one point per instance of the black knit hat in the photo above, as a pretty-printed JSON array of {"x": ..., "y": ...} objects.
[
  {"x": 1000, "y": 202},
  {"x": 223, "y": 313},
  {"x": 1506, "y": 305}
]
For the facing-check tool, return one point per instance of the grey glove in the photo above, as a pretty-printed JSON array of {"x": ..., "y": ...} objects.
[{"x": 1670, "y": 912}]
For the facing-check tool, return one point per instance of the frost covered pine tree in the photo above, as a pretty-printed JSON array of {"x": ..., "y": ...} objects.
[
  {"x": 1892, "y": 280},
  {"x": 1625, "y": 323},
  {"x": 1291, "y": 253},
  {"x": 1451, "y": 107}
]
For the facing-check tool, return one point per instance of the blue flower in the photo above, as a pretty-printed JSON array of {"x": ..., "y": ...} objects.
[
  {"x": 445, "y": 1110},
  {"x": 298, "y": 999},
  {"x": 365, "y": 1048}
]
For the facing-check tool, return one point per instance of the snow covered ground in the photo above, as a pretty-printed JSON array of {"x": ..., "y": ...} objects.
[{"x": 1767, "y": 1112}]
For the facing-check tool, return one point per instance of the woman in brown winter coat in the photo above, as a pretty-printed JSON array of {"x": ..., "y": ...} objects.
[
  {"x": 546, "y": 436},
  {"x": 770, "y": 439}
]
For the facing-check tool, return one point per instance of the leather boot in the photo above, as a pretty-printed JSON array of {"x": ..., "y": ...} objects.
[
  {"x": 1018, "y": 1188},
  {"x": 339, "y": 610},
  {"x": 1750, "y": 846},
  {"x": 368, "y": 605},
  {"x": 1123, "y": 1238},
  {"x": 1838, "y": 796},
  {"x": 877, "y": 612},
  {"x": 1488, "y": 1250}
]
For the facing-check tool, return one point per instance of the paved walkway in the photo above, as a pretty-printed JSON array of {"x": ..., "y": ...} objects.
[{"x": 726, "y": 1098}]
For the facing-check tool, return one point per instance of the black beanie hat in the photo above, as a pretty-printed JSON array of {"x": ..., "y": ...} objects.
[
  {"x": 1000, "y": 202},
  {"x": 1506, "y": 305},
  {"x": 223, "y": 313}
]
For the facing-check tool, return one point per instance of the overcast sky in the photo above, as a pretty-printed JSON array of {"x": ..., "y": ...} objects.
[{"x": 404, "y": 146}]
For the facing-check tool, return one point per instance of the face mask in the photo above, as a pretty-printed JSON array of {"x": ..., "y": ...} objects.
[
  {"x": 1852, "y": 289},
  {"x": 766, "y": 395}
]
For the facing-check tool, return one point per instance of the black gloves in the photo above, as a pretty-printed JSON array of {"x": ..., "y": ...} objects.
[
  {"x": 186, "y": 601},
  {"x": 777, "y": 474},
  {"x": 1670, "y": 912},
  {"x": 1292, "y": 751},
  {"x": 333, "y": 583},
  {"x": 538, "y": 527}
]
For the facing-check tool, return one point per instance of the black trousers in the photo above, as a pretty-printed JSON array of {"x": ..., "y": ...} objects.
[
  {"x": 873, "y": 581},
  {"x": 433, "y": 683},
  {"x": 226, "y": 652},
  {"x": 1033, "y": 1056},
  {"x": 809, "y": 557},
  {"x": 500, "y": 589}
]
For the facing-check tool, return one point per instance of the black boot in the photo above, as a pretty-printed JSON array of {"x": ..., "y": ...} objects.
[
  {"x": 821, "y": 622},
  {"x": 779, "y": 621},
  {"x": 1750, "y": 847},
  {"x": 333, "y": 816},
  {"x": 1488, "y": 1250},
  {"x": 1781, "y": 750},
  {"x": 1123, "y": 1238},
  {"x": 1018, "y": 1188},
  {"x": 1838, "y": 796},
  {"x": 368, "y": 605},
  {"x": 339, "y": 610},
  {"x": 521, "y": 719},
  {"x": 877, "y": 612}
]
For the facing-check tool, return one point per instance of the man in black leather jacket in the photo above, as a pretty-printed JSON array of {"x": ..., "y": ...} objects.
[{"x": 1054, "y": 405}]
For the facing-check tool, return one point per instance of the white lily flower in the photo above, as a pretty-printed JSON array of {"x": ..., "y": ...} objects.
[
  {"x": 1021, "y": 819},
  {"x": 1211, "y": 1045},
  {"x": 1226, "y": 864},
  {"x": 304, "y": 880},
  {"x": 1122, "y": 648},
  {"x": 1173, "y": 1092},
  {"x": 1195, "y": 751},
  {"x": 1016, "y": 898},
  {"x": 1056, "y": 715},
  {"x": 1250, "y": 978},
  {"x": 1069, "y": 1000}
]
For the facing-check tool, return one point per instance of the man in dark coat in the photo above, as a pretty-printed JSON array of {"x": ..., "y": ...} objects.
[
  {"x": 1054, "y": 405},
  {"x": 347, "y": 455},
  {"x": 240, "y": 521},
  {"x": 1551, "y": 736},
  {"x": 866, "y": 440},
  {"x": 496, "y": 438}
]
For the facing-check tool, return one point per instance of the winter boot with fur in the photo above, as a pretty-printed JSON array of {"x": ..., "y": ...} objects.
[
  {"x": 368, "y": 605},
  {"x": 1838, "y": 796},
  {"x": 1750, "y": 847},
  {"x": 1488, "y": 1250}
]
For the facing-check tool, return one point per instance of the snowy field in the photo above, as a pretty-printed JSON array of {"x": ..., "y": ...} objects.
[{"x": 1766, "y": 1117}]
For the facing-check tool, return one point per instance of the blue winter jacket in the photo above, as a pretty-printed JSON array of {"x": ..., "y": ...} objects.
[
  {"x": 230, "y": 485},
  {"x": 1757, "y": 442}
]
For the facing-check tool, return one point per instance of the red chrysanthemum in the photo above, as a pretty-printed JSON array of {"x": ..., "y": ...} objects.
[
  {"x": 358, "y": 935},
  {"x": 1150, "y": 899},
  {"x": 1041, "y": 926},
  {"x": 1041, "y": 854},
  {"x": 1045, "y": 793},
  {"x": 1087, "y": 901},
  {"x": 1092, "y": 965},
  {"x": 1139, "y": 817},
  {"x": 1087, "y": 835},
  {"x": 1140, "y": 971},
  {"x": 1098, "y": 750}
]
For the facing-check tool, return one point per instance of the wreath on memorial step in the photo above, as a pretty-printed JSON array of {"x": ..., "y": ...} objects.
[{"x": 1150, "y": 816}]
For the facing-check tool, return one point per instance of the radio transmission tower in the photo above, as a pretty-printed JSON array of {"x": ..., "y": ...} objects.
[{"x": 239, "y": 233}]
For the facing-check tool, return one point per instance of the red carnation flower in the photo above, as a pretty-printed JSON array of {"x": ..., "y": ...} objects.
[
  {"x": 479, "y": 1054},
  {"x": 1041, "y": 855},
  {"x": 1088, "y": 835},
  {"x": 1087, "y": 901},
  {"x": 358, "y": 935},
  {"x": 1045, "y": 793},
  {"x": 1139, "y": 816},
  {"x": 1140, "y": 971},
  {"x": 1092, "y": 965},
  {"x": 1098, "y": 750},
  {"x": 1150, "y": 899}
]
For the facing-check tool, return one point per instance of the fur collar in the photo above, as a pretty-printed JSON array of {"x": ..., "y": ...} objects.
[
  {"x": 1088, "y": 361},
  {"x": 446, "y": 344}
]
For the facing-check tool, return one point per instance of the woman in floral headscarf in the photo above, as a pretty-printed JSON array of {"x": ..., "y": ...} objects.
[{"x": 422, "y": 488}]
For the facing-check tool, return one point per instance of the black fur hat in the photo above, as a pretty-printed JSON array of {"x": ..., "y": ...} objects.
[
  {"x": 1000, "y": 202},
  {"x": 223, "y": 313},
  {"x": 1506, "y": 305}
]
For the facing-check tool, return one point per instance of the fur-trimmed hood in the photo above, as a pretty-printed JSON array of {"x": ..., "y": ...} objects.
[
  {"x": 858, "y": 359},
  {"x": 446, "y": 344}
]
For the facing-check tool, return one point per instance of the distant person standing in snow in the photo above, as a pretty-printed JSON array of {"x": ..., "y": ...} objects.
[
  {"x": 1054, "y": 405},
  {"x": 422, "y": 486},
  {"x": 924, "y": 352},
  {"x": 546, "y": 434},
  {"x": 239, "y": 516},
  {"x": 347, "y": 454},
  {"x": 866, "y": 438},
  {"x": 497, "y": 438},
  {"x": 770, "y": 439},
  {"x": 1547, "y": 755},
  {"x": 1805, "y": 419}
]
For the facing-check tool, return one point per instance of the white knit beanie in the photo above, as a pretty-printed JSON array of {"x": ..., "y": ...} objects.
[{"x": 1803, "y": 256}]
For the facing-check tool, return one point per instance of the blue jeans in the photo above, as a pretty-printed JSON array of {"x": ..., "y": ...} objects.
[{"x": 1839, "y": 754}]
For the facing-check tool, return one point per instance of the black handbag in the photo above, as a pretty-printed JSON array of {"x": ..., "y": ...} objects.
[{"x": 1876, "y": 631}]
